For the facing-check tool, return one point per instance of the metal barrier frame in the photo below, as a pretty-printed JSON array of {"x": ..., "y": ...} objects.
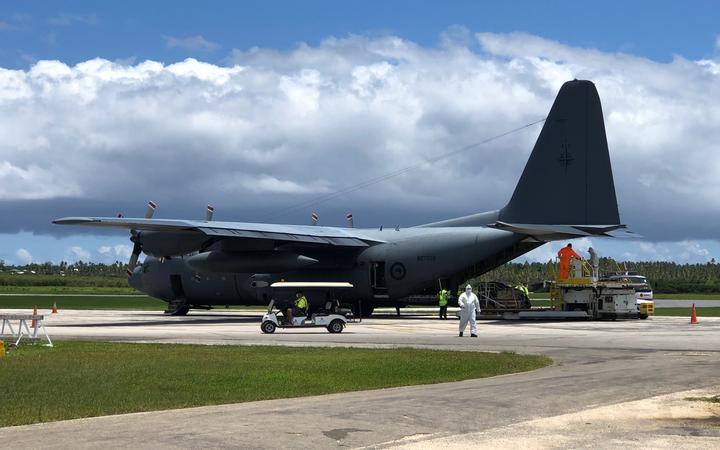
[{"x": 23, "y": 318}]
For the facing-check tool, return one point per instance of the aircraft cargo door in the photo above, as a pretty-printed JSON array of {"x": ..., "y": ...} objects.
[{"x": 377, "y": 280}]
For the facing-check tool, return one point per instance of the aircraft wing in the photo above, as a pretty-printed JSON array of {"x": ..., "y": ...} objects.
[
  {"x": 547, "y": 233},
  {"x": 347, "y": 237}
]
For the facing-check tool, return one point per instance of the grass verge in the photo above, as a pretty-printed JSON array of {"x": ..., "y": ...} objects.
[
  {"x": 690, "y": 296},
  {"x": 540, "y": 302},
  {"x": 85, "y": 379},
  {"x": 685, "y": 312},
  {"x": 715, "y": 399},
  {"x": 43, "y": 302},
  {"x": 67, "y": 290}
]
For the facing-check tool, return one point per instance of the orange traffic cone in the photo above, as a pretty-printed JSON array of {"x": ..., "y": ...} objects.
[
  {"x": 54, "y": 310},
  {"x": 33, "y": 324},
  {"x": 693, "y": 316}
]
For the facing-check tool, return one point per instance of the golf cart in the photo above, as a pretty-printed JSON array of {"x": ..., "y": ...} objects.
[{"x": 332, "y": 316}]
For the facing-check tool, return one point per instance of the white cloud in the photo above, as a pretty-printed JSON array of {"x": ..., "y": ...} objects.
[
  {"x": 20, "y": 183},
  {"x": 77, "y": 253},
  {"x": 548, "y": 252},
  {"x": 192, "y": 43},
  {"x": 688, "y": 251},
  {"x": 315, "y": 119},
  {"x": 693, "y": 250},
  {"x": 269, "y": 184},
  {"x": 116, "y": 252},
  {"x": 23, "y": 256}
]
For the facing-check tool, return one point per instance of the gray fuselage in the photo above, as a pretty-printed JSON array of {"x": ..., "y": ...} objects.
[{"x": 410, "y": 261}]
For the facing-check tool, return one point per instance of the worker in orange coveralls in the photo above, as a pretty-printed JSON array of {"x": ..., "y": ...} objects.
[{"x": 566, "y": 254}]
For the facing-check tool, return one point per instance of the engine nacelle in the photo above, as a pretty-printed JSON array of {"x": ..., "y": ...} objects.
[
  {"x": 243, "y": 262},
  {"x": 163, "y": 243}
]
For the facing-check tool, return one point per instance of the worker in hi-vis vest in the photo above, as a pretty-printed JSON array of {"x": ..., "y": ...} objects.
[
  {"x": 300, "y": 309},
  {"x": 524, "y": 289},
  {"x": 566, "y": 254},
  {"x": 442, "y": 302}
]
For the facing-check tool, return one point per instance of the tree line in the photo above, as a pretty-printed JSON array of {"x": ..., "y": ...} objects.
[
  {"x": 116, "y": 269},
  {"x": 663, "y": 276}
]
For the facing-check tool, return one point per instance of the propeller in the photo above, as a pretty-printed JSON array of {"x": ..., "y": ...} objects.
[
  {"x": 150, "y": 209},
  {"x": 135, "y": 238},
  {"x": 209, "y": 213},
  {"x": 314, "y": 218},
  {"x": 349, "y": 218}
]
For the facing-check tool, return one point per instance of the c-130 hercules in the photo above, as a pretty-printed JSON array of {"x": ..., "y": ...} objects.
[{"x": 566, "y": 191}]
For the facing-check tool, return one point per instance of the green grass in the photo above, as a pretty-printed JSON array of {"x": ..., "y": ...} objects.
[
  {"x": 84, "y": 379},
  {"x": 540, "y": 302},
  {"x": 715, "y": 399},
  {"x": 67, "y": 290},
  {"x": 136, "y": 302},
  {"x": 685, "y": 312},
  {"x": 115, "y": 281},
  {"x": 690, "y": 296}
]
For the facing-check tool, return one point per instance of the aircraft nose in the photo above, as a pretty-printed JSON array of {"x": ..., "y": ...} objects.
[{"x": 135, "y": 280}]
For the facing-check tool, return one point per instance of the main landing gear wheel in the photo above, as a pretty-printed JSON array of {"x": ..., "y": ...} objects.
[
  {"x": 268, "y": 327},
  {"x": 179, "y": 311},
  {"x": 336, "y": 326},
  {"x": 364, "y": 311}
]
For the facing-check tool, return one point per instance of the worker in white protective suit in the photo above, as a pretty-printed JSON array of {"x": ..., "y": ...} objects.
[{"x": 469, "y": 307}]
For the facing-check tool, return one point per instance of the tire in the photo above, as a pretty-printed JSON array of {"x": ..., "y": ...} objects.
[
  {"x": 268, "y": 327},
  {"x": 336, "y": 326},
  {"x": 181, "y": 311},
  {"x": 366, "y": 310},
  {"x": 643, "y": 316}
]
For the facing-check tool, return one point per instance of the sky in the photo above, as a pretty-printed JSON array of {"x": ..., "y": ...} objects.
[{"x": 257, "y": 107}]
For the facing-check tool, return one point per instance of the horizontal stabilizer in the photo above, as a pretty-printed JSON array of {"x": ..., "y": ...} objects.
[{"x": 547, "y": 233}]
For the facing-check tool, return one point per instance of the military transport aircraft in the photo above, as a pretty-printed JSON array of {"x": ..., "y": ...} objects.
[{"x": 566, "y": 191}]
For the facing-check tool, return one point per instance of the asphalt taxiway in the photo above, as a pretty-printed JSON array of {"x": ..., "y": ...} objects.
[{"x": 597, "y": 364}]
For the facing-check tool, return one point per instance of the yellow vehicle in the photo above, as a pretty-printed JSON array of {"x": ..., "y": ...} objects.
[
  {"x": 646, "y": 308},
  {"x": 584, "y": 294}
]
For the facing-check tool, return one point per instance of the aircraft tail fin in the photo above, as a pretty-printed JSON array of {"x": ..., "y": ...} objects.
[{"x": 568, "y": 179}]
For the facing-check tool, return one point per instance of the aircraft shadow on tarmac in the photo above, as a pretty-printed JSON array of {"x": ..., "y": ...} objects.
[
  {"x": 229, "y": 319},
  {"x": 207, "y": 320},
  {"x": 166, "y": 321}
]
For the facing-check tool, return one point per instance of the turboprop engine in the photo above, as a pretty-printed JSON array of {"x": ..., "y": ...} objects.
[{"x": 239, "y": 262}]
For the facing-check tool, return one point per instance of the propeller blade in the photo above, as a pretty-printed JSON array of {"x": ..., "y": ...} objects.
[
  {"x": 150, "y": 209},
  {"x": 314, "y": 218},
  {"x": 209, "y": 213},
  {"x": 135, "y": 238},
  {"x": 137, "y": 248},
  {"x": 349, "y": 218}
]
